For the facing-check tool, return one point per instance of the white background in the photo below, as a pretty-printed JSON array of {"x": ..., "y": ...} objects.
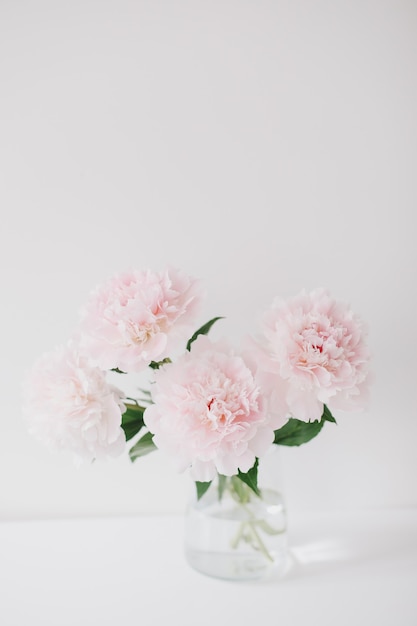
[{"x": 261, "y": 146}]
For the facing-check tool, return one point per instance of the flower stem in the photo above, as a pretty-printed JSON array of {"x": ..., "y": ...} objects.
[
  {"x": 259, "y": 541},
  {"x": 242, "y": 495}
]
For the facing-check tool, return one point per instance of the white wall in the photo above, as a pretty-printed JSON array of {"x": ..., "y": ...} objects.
[{"x": 262, "y": 146}]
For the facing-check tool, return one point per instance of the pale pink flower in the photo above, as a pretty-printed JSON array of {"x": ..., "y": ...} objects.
[
  {"x": 137, "y": 317},
  {"x": 208, "y": 413},
  {"x": 313, "y": 352},
  {"x": 69, "y": 405},
  {"x": 273, "y": 388}
]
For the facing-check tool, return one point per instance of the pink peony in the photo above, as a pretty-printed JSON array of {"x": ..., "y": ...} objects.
[
  {"x": 138, "y": 317},
  {"x": 208, "y": 412},
  {"x": 313, "y": 353},
  {"x": 69, "y": 405}
]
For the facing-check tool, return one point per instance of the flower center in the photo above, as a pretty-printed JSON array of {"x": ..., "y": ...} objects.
[
  {"x": 140, "y": 333},
  {"x": 217, "y": 413}
]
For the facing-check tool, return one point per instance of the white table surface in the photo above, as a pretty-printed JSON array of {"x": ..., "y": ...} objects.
[{"x": 346, "y": 569}]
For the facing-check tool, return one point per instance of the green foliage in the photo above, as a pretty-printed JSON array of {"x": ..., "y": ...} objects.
[
  {"x": 144, "y": 446},
  {"x": 296, "y": 432},
  {"x": 132, "y": 420},
  {"x": 238, "y": 485},
  {"x": 155, "y": 365},
  {"x": 202, "y": 331},
  {"x": 327, "y": 416},
  {"x": 201, "y": 488},
  {"x": 250, "y": 478}
]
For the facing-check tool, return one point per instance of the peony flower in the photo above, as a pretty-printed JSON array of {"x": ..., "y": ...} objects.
[
  {"x": 313, "y": 353},
  {"x": 138, "y": 317},
  {"x": 69, "y": 405},
  {"x": 208, "y": 413}
]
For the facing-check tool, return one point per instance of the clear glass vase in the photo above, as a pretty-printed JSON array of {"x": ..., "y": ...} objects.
[{"x": 234, "y": 534}]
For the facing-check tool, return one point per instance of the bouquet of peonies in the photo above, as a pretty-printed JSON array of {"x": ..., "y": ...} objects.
[{"x": 213, "y": 409}]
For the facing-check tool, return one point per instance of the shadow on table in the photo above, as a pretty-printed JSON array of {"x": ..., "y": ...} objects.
[{"x": 315, "y": 553}]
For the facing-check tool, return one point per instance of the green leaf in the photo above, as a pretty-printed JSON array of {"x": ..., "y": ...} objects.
[
  {"x": 116, "y": 369},
  {"x": 327, "y": 416},
  {"x": 296, "y": 432},
  {"x": 155, "y": 365},
  {"x": 201, "y": 488},
  {"x": 250, "y": 478},
  {"x": 144, "y": 446},
  {"x": 132, "y": 420},
  {"x": 202, "y": 331}
]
